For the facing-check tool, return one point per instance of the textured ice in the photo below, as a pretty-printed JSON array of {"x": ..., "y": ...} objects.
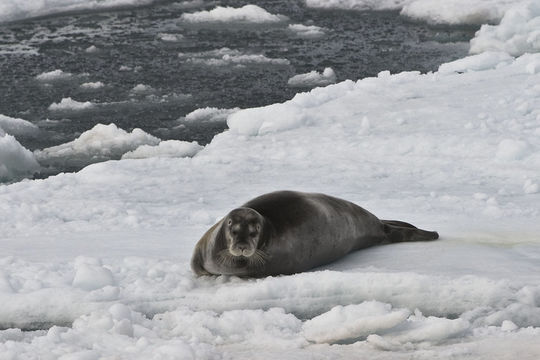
[
  {"x": 518, "y": 32},
  {"x": 245, "y": 14}
]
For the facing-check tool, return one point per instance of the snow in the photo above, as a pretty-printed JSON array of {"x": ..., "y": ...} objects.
[
  {"x": 226, "y": 56},
  {"x": 53, "y": 76},
  {"x": 97, "y": 262},
  {"x": 100, "y": 143},
  {"x": 210, "y": 114},
  {"x": 68, "y": 104},
  {"x": 168, "y": 148},
  {"x": 245, "y": 14},
  {"x": 518, "y": 32},
  {"x": 17, "y": 127},
  {"x": 313, "y": 78}
]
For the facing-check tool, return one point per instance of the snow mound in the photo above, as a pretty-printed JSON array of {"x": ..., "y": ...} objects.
[
  {"x": 168, "y": 148},
  {"x": 353, "y": 322},
  {"x": 226, "y": 56},
  {"x": 313, "y": 78},
  {"x": 17, "y": 127},
  {"x": 517, "y": 33},
  {"x": 102, "y": 142},
  {"x": 92, "y": 85},
  {"x": 11, "y": 10},
  {"x": 53, "y": 76},
  {"x": 68, "y": 104},
  {"x": 307, "y": 31},
  {"x": 16, "y": 162},
  {"x": 245, "y": 14},
  {"x": 210, "y": 114},
  {"x": 483, "y": 61}
]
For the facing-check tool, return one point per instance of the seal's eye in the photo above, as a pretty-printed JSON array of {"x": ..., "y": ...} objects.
[{"x": 229, "y": 222}]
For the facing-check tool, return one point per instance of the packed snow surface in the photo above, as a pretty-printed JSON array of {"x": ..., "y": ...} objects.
[
  {"x": 98, "y": 261},
  {"x": 313, "y": 78},
  {"x": 245, "y": 14}
]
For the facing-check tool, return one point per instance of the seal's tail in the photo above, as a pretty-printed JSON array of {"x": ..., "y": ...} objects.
[{"x": 399, "y": 231}]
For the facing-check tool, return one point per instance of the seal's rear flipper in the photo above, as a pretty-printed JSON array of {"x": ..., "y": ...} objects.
[{"x": 399, "y": 231}]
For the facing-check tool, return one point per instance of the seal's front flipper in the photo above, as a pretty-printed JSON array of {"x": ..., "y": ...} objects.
[{"x": 399, "y": 231}]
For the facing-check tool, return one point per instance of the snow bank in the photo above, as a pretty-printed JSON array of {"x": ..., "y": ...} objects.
[
  {"x": 518, "y": 32},
  {"x": 169, "y": 148},
  {"x": 313, "y": 78},
  {"x": 210, "y": 114},
  {"x": 53, "y": 76},
  {"x": 102, "y": 142},
  {"x": 68, "y": 104},
  {"x": 245, "y": 14},
  {"x": 16, "y": 162},
  {"x": 17, "y": 127},
  {"x": 226, "y": 56},
  {"x": 307, "y": 31},
  {"x": 11, "y": 10}
]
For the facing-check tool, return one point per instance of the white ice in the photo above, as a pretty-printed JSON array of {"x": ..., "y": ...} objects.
[
  {"x": 69, "y": 104},
  {"x": 92, "y": 85},
  {"x": 168, "y": 148},
  {"x": 245, "y": 14},
  {"x": 313, "y": 78},
  {"x": 17, "y": 127},
  {"x": 97, "y": 144},
  {"x": 53, "y": 76},
  {"x": 307, "y": 31},
  {"x": 103, "y": 254}
]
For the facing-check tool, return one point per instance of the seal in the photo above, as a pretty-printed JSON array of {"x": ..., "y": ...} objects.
[{"x": 287, "y": 232}]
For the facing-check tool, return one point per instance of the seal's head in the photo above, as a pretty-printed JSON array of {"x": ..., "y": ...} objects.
[{"x": 243, "y": 228}]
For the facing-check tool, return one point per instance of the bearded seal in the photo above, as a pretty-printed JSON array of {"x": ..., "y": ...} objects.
[{"x": 287, "y": 232}]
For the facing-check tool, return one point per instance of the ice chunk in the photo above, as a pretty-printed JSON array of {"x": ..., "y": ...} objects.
[
  {"x": 313, "y": 79},
  {"x": 17, "y": 127},
  {"x": 245, "y": 14},
  {"x": 68, "y": 104}
]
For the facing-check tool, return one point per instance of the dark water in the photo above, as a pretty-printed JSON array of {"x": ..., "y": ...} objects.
[{"x": 130, "y": 52}]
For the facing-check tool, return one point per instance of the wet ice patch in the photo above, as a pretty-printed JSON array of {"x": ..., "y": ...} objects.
[
  {"x": 16, "y": 161},
  {"x": 102, "y": 142},
  {"x": 168, "y": 148},
  {"x": 246, "y": 14},
  {"x": 313, "y": 79},
  {"x": 17, "y": 127},
  {"x": 68, "y": 104},
  {"x": 353, "y": 322}
]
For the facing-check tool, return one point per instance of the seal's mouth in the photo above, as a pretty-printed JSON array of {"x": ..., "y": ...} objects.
[{"x": 241, "y": 252}]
